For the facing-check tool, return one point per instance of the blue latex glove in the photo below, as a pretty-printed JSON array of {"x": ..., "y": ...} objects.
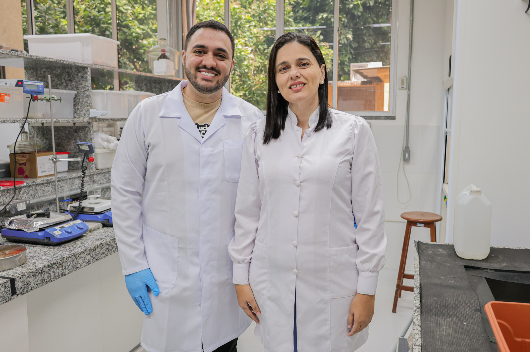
[{"x": 137, "y": 284}]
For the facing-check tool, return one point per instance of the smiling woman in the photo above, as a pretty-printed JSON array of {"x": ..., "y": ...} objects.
[
  {"x": 300, "y": 82},
  {"x": 317, "y": 170}
]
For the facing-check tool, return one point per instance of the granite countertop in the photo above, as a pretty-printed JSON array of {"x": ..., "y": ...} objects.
[
  {"x": 47, "y": 179},
  {"x": 46, "y": 264}
]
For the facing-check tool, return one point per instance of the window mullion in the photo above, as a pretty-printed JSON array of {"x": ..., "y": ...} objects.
[{"x": 335, "y": 52}]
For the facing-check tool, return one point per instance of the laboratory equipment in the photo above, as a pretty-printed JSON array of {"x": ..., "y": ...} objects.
[
  {"x": 472, "y": 224},
  {"x": 62, "y": 164},
  {"x": 11, "y": 256},
  {"x": 104, "y": 158},
  {"x": 43, "y": 227},
  {"x": 62, "y": 106},
  {"x": 163, "y": 59},
  {"x": 115, "y": 103},
  {"x": 12, "y": 95},
  {"x": 93, "y": 209},
  {"x": 28, "y": 87},
  {"x": 79, "y": 47},
  {"x": 24, "y": 145}
]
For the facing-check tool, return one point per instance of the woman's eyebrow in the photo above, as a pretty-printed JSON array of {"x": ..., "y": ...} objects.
[{"x": 299, "y": 59}]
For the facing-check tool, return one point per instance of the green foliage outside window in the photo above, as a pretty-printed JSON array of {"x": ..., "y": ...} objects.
[{"x": 358, "y": 40}]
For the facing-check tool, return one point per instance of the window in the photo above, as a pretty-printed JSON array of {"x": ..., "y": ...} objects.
[
  {"x": 210, "y": 10},
  {"x": 137, "y": 33},
  {"x": 94, "y": 17},
  {"x": 253, "y": 25},
  {"x": 364, "y": 56},
  {"x": 314, "y": 18},
  {"x": 50, "y": 16}
]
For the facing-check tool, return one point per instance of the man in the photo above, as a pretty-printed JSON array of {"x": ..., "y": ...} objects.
[{"x": 174, "y": 182}]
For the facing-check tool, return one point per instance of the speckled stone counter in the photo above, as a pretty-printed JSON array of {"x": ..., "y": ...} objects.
[
  {"x": 36, "y": 188},
  {"x": 46, "y": 264},
  {"x": 416, "y": 309}
]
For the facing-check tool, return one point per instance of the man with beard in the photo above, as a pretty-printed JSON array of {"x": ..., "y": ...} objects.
[{"x": 174, "y": 183}]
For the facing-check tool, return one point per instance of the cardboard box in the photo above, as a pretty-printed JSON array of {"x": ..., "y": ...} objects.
[{"x": 32, "y": 165}]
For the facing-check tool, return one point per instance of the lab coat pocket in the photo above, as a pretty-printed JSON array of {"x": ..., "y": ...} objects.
[
  {"x": 258, "y": 275},
  {"x": 162, "y": 256},
  {"x": 233, "y": 148},
  {"x": 230, "y": 263},
  {"x": 343, "y": 271}
]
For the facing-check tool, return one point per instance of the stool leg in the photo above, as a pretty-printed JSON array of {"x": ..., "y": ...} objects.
[
  {"x": 402, "y": 264},
  {"x": 433, "y": 232}
]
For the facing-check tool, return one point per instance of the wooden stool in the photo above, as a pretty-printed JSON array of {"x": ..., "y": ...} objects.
[{"x": 417, "y": 219}]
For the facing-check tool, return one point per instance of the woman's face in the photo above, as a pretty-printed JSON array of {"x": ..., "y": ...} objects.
[{"x": 298, "y": 74}]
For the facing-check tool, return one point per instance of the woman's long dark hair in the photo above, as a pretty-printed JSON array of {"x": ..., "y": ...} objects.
[{"x": 277, "y": 105}]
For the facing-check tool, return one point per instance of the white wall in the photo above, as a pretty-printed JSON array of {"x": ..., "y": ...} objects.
[
  {"x": 426, "y": 112},
  {"x": 492, "y": 113}
]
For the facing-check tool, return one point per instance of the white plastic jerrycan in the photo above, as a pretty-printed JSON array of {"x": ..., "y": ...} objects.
[{"x": 472, "y": 226}]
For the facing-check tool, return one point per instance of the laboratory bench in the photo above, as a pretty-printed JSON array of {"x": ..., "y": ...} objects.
[
  {"x": 450, "y": 294},
  {"x": 70, "y": 297}
]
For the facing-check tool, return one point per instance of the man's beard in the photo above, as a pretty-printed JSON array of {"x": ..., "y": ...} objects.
[{"x": 200, "y": 88}]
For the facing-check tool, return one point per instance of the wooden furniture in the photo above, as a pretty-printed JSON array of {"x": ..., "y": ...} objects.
[{"x": 416, "y": 219}]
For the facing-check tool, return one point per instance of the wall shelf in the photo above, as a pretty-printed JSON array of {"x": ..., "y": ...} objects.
[{"x": 47, "y": 61}]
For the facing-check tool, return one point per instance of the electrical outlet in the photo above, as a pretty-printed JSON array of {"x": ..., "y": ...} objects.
[
  {"x": 406, "y": 154},
  {"x": 403, "y": 83}
]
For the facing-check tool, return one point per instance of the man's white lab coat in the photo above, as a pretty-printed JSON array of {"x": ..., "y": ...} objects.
[{"x": 173, "y": 198}]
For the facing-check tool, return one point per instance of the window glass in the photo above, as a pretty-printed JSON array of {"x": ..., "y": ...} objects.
[
  {"x": 50, "y": 16},
  {"x": 253, "y": 26},
  {"x": 137, "y": 33},
  {"x": 364, "y": 55},
  {"x": 94, "y": 17},
  {"x": 210, "y": 10},
  {"x": 314, "y": 18}
]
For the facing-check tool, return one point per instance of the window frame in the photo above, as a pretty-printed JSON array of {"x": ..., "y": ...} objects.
[{"x": 280, "y": 6}]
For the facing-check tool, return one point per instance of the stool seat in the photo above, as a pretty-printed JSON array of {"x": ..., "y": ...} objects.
[
  {"x": 421, "y": 217},
  {"x": 414, "y": 219}
]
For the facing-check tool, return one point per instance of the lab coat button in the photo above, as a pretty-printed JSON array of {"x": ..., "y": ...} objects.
[
  {"x": 295, "y": 214},
  {"x": 297, "y": 183},
  {"x": 295, "y": 272},
  {"x": 295, "y": 244}
]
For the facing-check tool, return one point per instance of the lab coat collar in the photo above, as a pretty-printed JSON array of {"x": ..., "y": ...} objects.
[
  {"x": 313, "y": 119},
  {"x": 174, "y": 107}
]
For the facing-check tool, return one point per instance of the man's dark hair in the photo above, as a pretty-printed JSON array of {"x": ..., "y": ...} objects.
[{"x": 217, "y": 26}]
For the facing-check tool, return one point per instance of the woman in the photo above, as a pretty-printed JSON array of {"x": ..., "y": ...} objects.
[{"x": 302, "y": 271}]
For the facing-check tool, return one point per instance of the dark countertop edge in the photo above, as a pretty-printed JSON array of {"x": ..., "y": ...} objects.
[
  {"x": 41, "y": 275},
  {"x": 416, "y": 331},
  {"x": 416, "y": 309}
]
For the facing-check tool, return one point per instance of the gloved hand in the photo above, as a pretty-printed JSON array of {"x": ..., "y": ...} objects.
[{"x": 137, "y": 286}]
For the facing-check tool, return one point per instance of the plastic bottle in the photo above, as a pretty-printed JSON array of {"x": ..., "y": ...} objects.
[{"x": 472, "y": 225}]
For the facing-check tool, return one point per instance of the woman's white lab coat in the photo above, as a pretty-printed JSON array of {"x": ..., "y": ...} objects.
[
  {"x": 173, "y": 198},
  {"x": 295, "y": 230}
]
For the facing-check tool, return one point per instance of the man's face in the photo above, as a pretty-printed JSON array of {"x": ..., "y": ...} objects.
[{"x": 208, "y": 60}]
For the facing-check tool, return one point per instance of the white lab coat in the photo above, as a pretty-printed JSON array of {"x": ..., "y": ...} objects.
[
  {"x": 173, "y": 198},
  {"x": 295, "y": 230}
]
